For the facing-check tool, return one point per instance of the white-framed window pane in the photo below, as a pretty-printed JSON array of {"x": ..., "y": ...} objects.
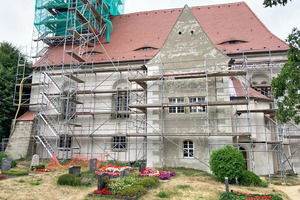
[
  {"x": 172, "y": 100},
  {"x": 172, "y": 109},
  {"x": 180, "y": 100},
  {"x": 119, "y": 143},
  {"x": 178, "y": 109},
  {"x": 197, "y": 109},
  {"x": 188, "y": 149}
]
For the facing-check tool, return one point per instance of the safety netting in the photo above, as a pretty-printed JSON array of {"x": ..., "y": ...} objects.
[
  {"x": 56, "y": 17},
  {"x": 77, "y": 160}
]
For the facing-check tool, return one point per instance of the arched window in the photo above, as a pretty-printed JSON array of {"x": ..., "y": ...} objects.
[
  {"x": 188, "y": 149},
  {"x": 121, "y": 99},
  {"x": 244, "y": 152}
]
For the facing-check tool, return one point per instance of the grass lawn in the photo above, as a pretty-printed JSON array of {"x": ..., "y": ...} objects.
[{"x": 187, "y": 184}]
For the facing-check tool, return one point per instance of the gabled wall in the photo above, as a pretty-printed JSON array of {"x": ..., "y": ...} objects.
[{"x": 187, "y": 50}]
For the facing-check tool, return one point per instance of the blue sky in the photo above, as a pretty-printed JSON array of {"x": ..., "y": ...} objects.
[{"x": 16, "y": 17}]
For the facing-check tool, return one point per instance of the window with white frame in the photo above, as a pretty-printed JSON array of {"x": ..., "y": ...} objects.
[
  {"x": 177, "y": 109},
  {"x": 119, "y": 143},
  {"x": 197, "y": 109},
  {"x": 188, "y": 149}
]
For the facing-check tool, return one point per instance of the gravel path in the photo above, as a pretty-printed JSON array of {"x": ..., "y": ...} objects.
[{"x": 291, "y": 191}]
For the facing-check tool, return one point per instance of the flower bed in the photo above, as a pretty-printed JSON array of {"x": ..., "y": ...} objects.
[
  {"x": 248, "y": 196},
  {"x": 163, "y": 175},
  {"x": 148, "y": 172},
  {"x": 112, "y": 170},
  {"x": 44, "y": 170},
  {"x": 166, "y": 175}
]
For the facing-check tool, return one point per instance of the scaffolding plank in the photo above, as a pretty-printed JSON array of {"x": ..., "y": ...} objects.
[
  {"x": 74, "y": 78},
  {"x": 112, "y": 112},
  {"x": 265, "y": 111},
  {"x": 102, "y": 70},
  {"x": 81, "y": 113},
  {"x": 218, "y": 103},
  {"x": 187, "y": 76},
  {"x": 108, "y": 91},
  {"x": 75, "y": 33},
  {"x": 73, "y": 100},
  {"x": 91, "y": 28},
  {"x": 97, "y": 16},
  {"x": 75, "y": 56},
  {"x": 165, "y": 135},
  {"x": 32, "y": 104},
  {"x": 28, "y": 85},
  {"x": 74, "y": 124}
]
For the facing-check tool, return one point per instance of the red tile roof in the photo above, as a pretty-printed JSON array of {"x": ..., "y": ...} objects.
[
  {"x": 28, "y": 116},
  {"x": 239, "y": 90},
  {"x": 222, "y": 23}
]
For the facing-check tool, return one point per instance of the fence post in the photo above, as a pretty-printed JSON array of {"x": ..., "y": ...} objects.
[{"x": 226, "y": 184}]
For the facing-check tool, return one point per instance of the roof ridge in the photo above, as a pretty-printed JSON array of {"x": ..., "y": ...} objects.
[{"x": 181, "y": 8}]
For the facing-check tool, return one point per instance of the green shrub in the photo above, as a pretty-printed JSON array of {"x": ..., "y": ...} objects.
[
  {"x": 235, "y": 196},
  {"x": 21, "y": 181},
  {"x": 34, "y": 183},
  {"x": 149, "y": 182},
  {"x": 37, "y": 167},
  {"x": 87, "y": 178},
  {"x": 162, "y": 194},
  {"x": 227, "y": 162},
  {"x": 13, "y": 163},
  {"x": 15, "y": 173},
  {"x": 249, "y": 178},
  {"x": 263, "y": 184},
  {"x": 132, "y": 191},
  {"x": 117, "y": 185},
  {"x": 2, "y": 155},
  {"x": 68, "y": 179}
]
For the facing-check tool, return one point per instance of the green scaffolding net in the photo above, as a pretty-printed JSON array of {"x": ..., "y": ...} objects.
[{"x": 57, "y": 17}]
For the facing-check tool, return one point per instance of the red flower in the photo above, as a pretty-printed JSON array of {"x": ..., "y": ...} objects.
[
  {"x": 103, "y": 192},
  {"x": 2, "y": 176}
]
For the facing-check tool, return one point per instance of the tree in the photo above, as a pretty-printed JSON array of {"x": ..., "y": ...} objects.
[
  {"x": 8, "y": 66},
  {"x": 270, "y": 3},
  {"x": 286, "y": 86}
]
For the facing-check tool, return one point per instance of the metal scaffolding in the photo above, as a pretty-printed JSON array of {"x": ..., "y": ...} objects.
[{"x": 91, "y": 109}]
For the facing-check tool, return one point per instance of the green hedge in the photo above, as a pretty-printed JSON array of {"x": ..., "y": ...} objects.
[
  {"x": 88, "y": 178},
  {"x": 68, "y": 179},
  {"x": 236, "y": 196},
  {"x": 132, "y": 191},
  {"x": 249, "y": 178},
  {"x": 149, "y": 182},
  {"x": 15, "y": 173},
  {"x": 227, "y": 162}
]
